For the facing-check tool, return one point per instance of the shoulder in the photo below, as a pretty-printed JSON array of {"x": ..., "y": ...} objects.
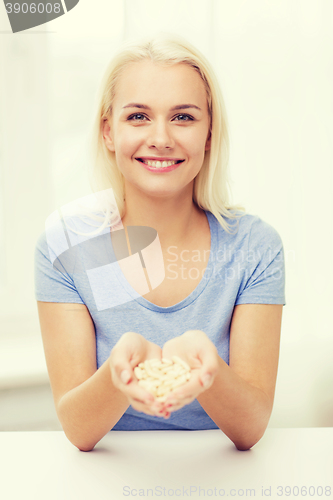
[
  {"x": 262, "y": 247},
  {"x": 63, "y": 233},
  {"x": 262, "y": 234},
  {"x": 250, "y": 227}
]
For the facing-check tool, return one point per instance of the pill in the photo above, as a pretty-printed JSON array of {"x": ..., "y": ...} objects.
[
  {"x": 169, "y": 382},
  {"x": 167, "y": 361},
  {"x": 167, "y": 369},
  {"x": 161, "y": 399},
  {"x": 154, "y": 362},
  {"x": 160, "y": 377},
  {"x": 178, "y": 382},
  {"x": 138, "y": 372},
  {"x": 181, "y": 362}
]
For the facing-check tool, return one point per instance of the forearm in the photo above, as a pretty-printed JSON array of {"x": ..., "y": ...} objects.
[
  {"x": 239, "y": 409},
  {"x": 91, "y": 409}
]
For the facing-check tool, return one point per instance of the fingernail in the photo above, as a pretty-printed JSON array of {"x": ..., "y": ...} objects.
[
  {"x": 206, "y": 380},
  {"x": 125, "y": 376}
]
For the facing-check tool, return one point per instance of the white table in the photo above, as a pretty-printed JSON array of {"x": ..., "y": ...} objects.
[{"x": 165, "y": 464}]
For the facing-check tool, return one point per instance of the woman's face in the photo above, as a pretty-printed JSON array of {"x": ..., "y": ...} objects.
[{"x": 160, "y": 114}]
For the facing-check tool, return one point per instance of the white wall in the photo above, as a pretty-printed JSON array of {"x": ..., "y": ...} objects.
[{"x": 275, "y": 64}]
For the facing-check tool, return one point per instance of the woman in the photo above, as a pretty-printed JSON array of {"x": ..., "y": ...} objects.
[{"x": 162, "y": 146}]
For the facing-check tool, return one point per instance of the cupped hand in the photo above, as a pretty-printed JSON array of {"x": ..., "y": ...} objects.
[
  {"x": 201, "y": 355},
  {"x": 130, "y": 350}
]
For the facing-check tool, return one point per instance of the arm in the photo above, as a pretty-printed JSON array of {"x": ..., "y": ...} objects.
[
  {"x": 89, "y": 402},
  {"x": 241, "y": 398},
  {"x": 88, "y": 405}
]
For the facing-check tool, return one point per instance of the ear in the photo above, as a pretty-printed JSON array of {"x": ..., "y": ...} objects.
[
  {"x": 208, "y": 142},
  {"x": 107, "y": 136}
]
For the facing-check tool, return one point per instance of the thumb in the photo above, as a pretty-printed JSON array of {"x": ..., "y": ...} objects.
[
  {"x": 121, "y": 369},
  {"x": 125, "y": 376},
  {"x": 205, "y": 379},
  {"x": 209, "y": 368},
  {"x": 125, "y": 356}
]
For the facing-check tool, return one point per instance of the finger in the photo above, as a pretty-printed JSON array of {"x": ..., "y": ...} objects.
[
  {"x": 206, "y": 379},
  {"x": 142, "y": 408},
  {"x": 179, "y": 405},
  {"x": 209, "y": 368},
  {"x": 154, "y": 408},
  {"x": 190, "y": 389},
  {"x": 122, "y": 373},
  {"x": 177, "y": 400},
  {"x": 155, "y": 352},
  {"x": 121, "y": 368},
  {"x": 130, "y": 348},
  {"x": 127, "y": 354},
  {"x": 136, "y": 392}
]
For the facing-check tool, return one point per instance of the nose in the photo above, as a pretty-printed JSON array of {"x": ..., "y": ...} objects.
[{"x": 160, "y": 136}]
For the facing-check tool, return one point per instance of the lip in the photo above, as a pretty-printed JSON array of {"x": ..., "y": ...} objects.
[
  {"x": 158, "y": 158},
  {"x": 161, "y": 169}
]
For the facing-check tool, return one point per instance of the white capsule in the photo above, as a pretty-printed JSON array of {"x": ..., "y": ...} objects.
[
  {"x": 149, "y": 371},
  {"x": 138, "y": 372},
  {"x": 144, "y": 383},
  {"x": 178, "y": 382},
  {"x": 168, "y": 369},
  {"x": 161, "y": 391},
  {"x": 176, "y": 359},
  {"x": 169, "y": 382},
  {"x": 155, "y": 362},
  {"x": 166, "y": 361},
  {"x": 162, "y": 399},
  {"x": 160, "y": 378},
  {"x": 157, "y": 373}
]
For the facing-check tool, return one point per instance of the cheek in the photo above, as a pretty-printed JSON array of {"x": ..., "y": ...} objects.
[
  {"x": 197, "y": 150},
  {"x": 127, "y": 143},
  {"x": 195, "y": 142}
]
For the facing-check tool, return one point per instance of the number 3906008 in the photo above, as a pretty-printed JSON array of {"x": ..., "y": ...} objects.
[{"x": 33, "y": 8}]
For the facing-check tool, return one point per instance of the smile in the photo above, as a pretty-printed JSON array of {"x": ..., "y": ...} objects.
[{"x": 159, "y": 164}]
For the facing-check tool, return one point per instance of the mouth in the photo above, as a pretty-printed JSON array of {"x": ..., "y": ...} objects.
[{"x": 159, "y": 163}]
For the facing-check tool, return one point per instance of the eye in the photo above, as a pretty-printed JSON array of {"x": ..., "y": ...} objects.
[
  {"x": 185, "y": 118},
  {"x": 137, "y": 117}
]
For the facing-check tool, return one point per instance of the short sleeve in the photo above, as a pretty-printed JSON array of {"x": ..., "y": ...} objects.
[
  {"x": 264, "y": 276},
  {"x": 51, "y": 284}
]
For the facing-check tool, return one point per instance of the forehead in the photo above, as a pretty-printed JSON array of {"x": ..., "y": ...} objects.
[{"x": 144, "y": 80}]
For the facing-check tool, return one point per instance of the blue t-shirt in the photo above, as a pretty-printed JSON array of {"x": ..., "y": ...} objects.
[{"x": 246, "y": 267}]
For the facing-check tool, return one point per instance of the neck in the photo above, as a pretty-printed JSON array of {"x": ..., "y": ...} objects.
[{"x": 174, "y": 218}]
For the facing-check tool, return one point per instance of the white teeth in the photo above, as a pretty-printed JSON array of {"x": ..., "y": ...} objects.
[{"x": 159, "y": 164}]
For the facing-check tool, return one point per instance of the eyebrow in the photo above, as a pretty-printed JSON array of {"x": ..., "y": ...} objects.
[{"x": 174, "y": 108}]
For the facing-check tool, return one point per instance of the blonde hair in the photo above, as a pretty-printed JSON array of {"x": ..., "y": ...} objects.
[{"x": 211, "y": 185}]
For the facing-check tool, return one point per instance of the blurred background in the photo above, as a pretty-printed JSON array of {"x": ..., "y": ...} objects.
[{"x": 274, "y": 61}]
